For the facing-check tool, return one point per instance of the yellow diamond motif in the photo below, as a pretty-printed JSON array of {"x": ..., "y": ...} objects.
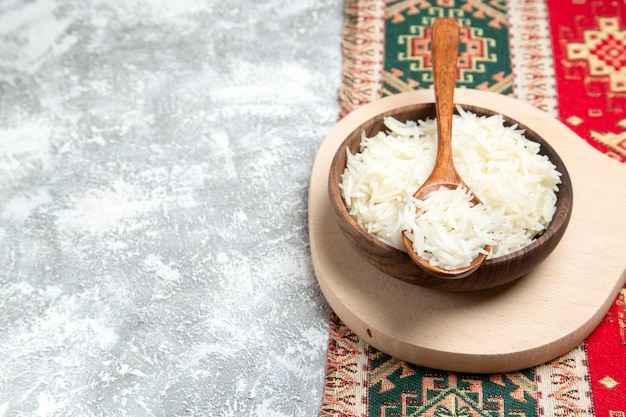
[
  {"x": 609, "y": 382},
  {"x": 574, "y": 120},
  {"x": 604, "y": 50}
]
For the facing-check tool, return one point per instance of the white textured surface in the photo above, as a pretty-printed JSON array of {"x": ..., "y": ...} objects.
[{"x": 154, "y": 167}]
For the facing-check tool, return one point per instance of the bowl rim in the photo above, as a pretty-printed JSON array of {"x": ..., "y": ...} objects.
[{"x": 564, "y": 199}]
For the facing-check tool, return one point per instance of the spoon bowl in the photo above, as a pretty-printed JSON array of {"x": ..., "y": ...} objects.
[{"x": 435, "y": 270}]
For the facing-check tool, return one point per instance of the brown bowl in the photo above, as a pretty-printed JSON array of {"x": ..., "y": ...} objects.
[{"x": 398, "y": 264}]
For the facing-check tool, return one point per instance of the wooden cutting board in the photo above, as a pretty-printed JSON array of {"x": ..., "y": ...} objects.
[{"x": 526, "y": 323}]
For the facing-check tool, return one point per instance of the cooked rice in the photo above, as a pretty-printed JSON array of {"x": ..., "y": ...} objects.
[
  {"x": 502, "y": 167},
  {"x": 447, "y": 229}
]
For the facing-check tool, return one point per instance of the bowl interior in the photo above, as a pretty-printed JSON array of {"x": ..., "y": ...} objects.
[{"x": 396, "y": 263}]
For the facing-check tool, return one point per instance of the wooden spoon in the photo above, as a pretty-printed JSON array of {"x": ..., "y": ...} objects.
[{"x": 445, "y": 50}]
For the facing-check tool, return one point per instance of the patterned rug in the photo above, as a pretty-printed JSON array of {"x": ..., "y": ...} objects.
[{"x": 566, "y": 57}]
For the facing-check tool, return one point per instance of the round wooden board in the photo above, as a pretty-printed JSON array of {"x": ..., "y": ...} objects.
[{"x": 526, "y": 323}]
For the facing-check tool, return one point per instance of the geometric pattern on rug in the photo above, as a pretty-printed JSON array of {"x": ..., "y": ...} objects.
[
  {"x": 589, "y": 39},
  {"x": 345, "y": 390},
  {"x": 399, "y": 388},
  {"x": 483, "y": 61},
  {"x": 363, "y": 52},
  {"x": 532, "y": 60},
  {"x": 563, "y": 387},
  {"x": 606, "y": 351}
]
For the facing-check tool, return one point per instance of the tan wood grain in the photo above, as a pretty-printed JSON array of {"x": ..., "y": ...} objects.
[{"x": 521, "y": 324}]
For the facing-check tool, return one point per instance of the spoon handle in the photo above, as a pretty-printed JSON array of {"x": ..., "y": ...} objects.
[{"x": 445, "y": 51}]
